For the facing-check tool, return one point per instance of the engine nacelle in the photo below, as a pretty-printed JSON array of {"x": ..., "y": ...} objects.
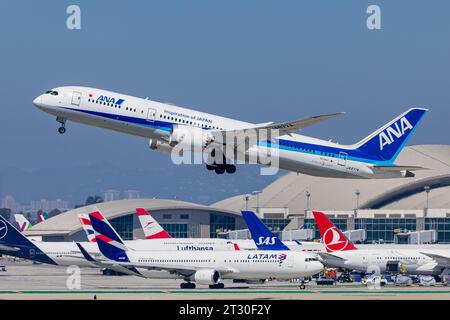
[
  {"x": 207, "y": 276},
  {"x": 159, "y": 145},
  {"x": 191, "y": 138}
]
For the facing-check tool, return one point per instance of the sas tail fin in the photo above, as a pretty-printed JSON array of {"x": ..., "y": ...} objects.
[
  {"x": 386, "y": 143},
  {"x": 152, "y": 229},
  {"x": 22, "y": 222},
  {"x": 263, "y": 237},
  {"x": 109, "y": 241},
  {"x": 332, "y": 238},
  {"x": 87, "y": 227}
]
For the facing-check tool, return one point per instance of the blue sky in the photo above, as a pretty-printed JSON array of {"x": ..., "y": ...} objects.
[{"x": 252, "y": 60}]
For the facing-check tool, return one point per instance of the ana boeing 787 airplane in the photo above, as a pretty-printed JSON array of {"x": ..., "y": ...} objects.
[{"x": 168, "y": 126}]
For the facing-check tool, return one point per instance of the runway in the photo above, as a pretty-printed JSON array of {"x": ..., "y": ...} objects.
[{"x": 25, "y": 281}]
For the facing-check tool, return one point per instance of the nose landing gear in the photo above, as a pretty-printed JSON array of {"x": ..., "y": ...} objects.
[{"x": 62, "y": 128}]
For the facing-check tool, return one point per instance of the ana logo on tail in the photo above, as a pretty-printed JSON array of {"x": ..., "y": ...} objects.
[
  {"x": 3, "y": 229},
  {"x": 334, "y": 240},
  {"x": 393, "y": 132}
]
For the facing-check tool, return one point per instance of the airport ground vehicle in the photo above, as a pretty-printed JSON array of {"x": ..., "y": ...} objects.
[
  {"x": 325, "y": 281},
  {"x": 373, "y": 279},
  {"x": 344, "y": 277},
  {"x": 426, "y": 281},
  {"x": 2, "y": 268},
  {"x": 168, "y": 127},
  {"x": 403, "y": 280}
]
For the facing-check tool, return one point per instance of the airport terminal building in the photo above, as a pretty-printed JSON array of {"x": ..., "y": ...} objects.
[{"x": 387, "y": 209}]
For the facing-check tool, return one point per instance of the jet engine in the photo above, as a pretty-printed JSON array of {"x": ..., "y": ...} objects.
[
  {"x": 159, "y": 145},
  {"x": 207, "y": 276},
  {"x": 190, "y": 137}
]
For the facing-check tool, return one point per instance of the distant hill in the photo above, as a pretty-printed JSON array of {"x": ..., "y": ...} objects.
[{"x": 190, "y": 182}]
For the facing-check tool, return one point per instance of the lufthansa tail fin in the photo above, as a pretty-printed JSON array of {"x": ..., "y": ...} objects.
[
  {"x": 386, "y": 143},
  {"x": 152, "y": 229},
  {"x": 332, "y": 238},
  {"x": 263, "y": 237},
  {"x": 109, "y": 241},
  {"x": 14, "y": 243}
]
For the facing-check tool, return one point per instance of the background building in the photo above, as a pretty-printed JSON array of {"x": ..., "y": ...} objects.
[
  {"x": 181, "y": 219},
  {"x": 383, "y": 208}
]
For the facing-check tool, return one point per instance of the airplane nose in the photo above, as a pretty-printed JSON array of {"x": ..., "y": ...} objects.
[
  {"x": 38, "y": 101},
  {"x": 317, "y": 266}
]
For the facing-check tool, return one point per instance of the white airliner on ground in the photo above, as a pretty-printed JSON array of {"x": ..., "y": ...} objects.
[
  {"x": 341, "y": 253},
  {"x": 168, "y": 126},
  {"x": 201, "y": 267}
]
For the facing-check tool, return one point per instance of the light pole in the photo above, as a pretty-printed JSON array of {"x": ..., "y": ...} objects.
[
  {"x": 427, "y": 191},
  {"x": 257, "y": 192},
  {"x": 246, "y": 201},
  {"x": 308, "y": 199},
  {"x": 357, "y": 193}
]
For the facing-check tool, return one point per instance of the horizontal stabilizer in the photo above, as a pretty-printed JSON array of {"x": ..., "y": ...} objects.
[{"x": 399, "y": 168}]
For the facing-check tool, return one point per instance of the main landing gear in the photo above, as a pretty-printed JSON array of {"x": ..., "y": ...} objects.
[
  {"x": 222, "y": 168},
  {"x": 302, "y": 285},
  {"x": 62, "y": 128},
  {"x": 187, "y": 285},
  {"x": 217, "y": 286}
]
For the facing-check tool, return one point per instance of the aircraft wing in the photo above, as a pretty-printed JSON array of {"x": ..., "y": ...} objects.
[
  {"x": 398, "y": 168},
  {"x": 441, "y": 260},
  {"x": 174, "y": 269},
  {"x": 8, "y": 248},
  {"x": 283, "y": 128},
  {"x": 326, "y": 256}
]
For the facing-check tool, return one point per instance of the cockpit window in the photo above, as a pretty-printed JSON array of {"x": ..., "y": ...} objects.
[
  {"x": 49, "y": 91},
  {"x": 54, "y": 93}
]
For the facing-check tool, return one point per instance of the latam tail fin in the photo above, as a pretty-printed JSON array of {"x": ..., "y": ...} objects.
[
  {"x": 263, "y": 237},
  {"x": 22, "y": 222},
  {"x": 386, "y": 143},
  {"x": 87, "y": 227},
  {"x": 109, "y": 241},
  {"x": 152, "y": 229},
  {"x": 332, "y": 238}
]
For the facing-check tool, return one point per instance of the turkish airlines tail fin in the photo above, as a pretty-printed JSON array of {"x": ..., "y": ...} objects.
[
  {"x": 332, "y": 238},
  {"x": 152, "y": 229}
]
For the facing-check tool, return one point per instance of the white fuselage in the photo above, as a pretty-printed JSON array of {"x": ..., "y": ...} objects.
[
  {"x": 154, "y": 120},
  {"x": 375, "y": 260},
  {"x": 239, "y": 264}
]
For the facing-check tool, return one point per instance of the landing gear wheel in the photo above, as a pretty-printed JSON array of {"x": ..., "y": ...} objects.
[
  {"x": 187, "y": 285},
  {"x": 61, "y": 130},
  {"x": 210, "y": 167},
  {"x": 217, "y": 286},
  {"x": 230, "y": 168},
  {"x": 302, "y": 285},
  {"x": 220, "y": 170}
]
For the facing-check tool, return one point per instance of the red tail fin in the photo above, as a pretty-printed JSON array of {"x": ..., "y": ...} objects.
[{"x": 332, "y": 238}]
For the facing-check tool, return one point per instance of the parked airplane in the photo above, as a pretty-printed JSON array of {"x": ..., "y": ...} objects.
[
  {"x": 341, "y": 253},
  {"x": 167, "y": 126},
  {"x": 207, "y": 268},
  {"x": 22, "y": 222}
]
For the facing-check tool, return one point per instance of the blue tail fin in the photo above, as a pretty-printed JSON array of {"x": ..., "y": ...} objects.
[
  {"x": 14, "y": 243},
  {"x": 263, "y": 237},
  {"x": 109, "y": 242},
  {"x": 387, "y": 142}
]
